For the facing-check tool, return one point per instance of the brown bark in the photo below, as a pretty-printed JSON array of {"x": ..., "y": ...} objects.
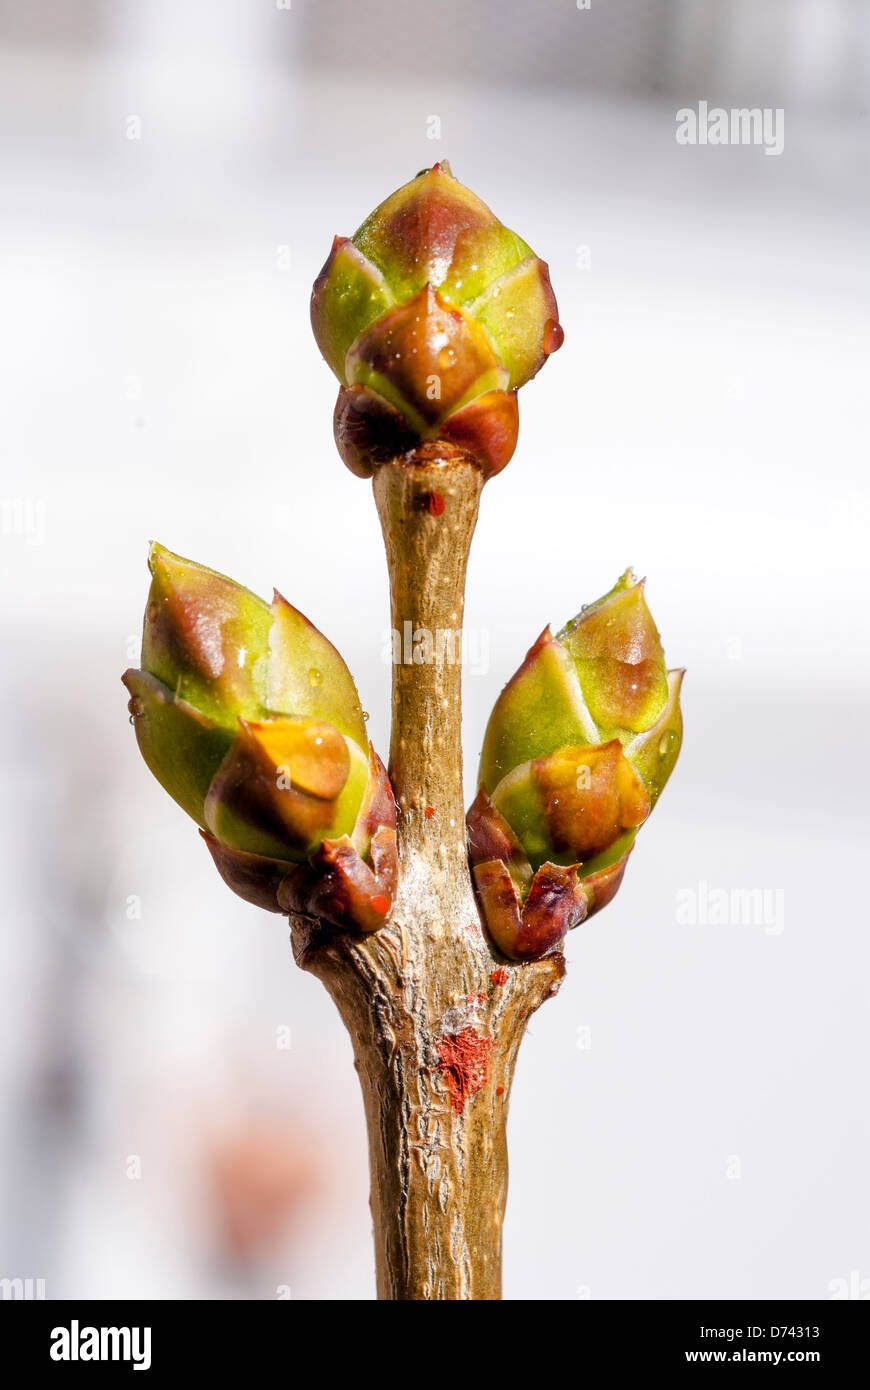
[{"x": 435, "y": 1036}]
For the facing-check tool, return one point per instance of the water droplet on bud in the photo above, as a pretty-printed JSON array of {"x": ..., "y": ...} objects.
[
  {"x": 554, "y": 336},
  {"x": 666, "y": 743},
  {"x": 315, "y": 677},
  {"x": 446, "y": 358}
]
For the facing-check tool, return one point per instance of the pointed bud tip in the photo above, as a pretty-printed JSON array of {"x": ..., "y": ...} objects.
[
  {"x": 156, "y": 552},
  {"x": 543, "y": 640},
  {"x": 442, "y": 166},
  {"x": 161, "y": 557},
  {"x": 281, "y": 606}
]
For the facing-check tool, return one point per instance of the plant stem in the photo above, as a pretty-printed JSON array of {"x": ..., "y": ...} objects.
[{"x": 435, "y": 1036}]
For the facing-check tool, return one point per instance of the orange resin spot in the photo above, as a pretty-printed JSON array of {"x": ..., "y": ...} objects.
[
  {"x": 434, "y": 503},
  {"x": 463, "y": 1060}
]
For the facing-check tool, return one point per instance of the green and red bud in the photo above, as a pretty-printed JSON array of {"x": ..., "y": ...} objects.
[
  {"x": 577, "y": 750},
  {"x": 432, "y": 316},
  {"x": 250, "y": 719}
]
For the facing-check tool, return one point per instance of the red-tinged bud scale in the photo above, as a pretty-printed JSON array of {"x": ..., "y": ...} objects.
[
  {"x": 250, "y": 719},
  {"x": 577, "y": 750},
  {"x": 432, "y": 316}
]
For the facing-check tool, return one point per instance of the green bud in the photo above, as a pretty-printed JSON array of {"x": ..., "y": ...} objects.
[
  {"x": 249, "y": 718},
  {"x": 619, "y": 660},
  {"x": 578, "y": 748},
  {"x": 204, "y": 637},
  {"x": 432, "y": 316}
]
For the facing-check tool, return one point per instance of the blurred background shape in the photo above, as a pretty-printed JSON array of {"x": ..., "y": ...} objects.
[{"x": 179, "y": 1114}]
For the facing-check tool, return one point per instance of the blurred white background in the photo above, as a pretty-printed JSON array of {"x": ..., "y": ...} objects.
[{"x": 689, "y": 1118}]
